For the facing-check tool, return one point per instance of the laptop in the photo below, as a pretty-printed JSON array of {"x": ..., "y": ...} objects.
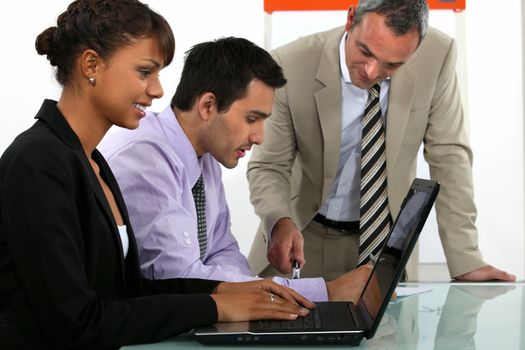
[{"x": 343, "y": 322}]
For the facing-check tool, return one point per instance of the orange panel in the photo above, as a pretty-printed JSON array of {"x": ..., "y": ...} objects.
[
  {"x": 306, "y": 5},
  {"x": 456, "y": 5},
  {"x": 326, "y": 5}
]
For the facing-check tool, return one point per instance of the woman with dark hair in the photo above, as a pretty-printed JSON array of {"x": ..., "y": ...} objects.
[{"x": 69, "y": 270}]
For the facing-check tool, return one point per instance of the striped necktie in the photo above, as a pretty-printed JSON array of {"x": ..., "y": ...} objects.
[
  {"x": 200, "y": 205},
  {"x": 375, "y": 220}
]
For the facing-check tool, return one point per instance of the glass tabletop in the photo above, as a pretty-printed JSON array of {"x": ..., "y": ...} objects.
[{"x": 436, "y": 316}]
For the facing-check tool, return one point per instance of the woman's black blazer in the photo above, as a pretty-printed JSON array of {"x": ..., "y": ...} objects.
[{"x": 64, "y": 283}]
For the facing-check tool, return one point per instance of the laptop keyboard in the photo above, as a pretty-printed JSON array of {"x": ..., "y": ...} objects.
[{"x": 310, "y": 322}]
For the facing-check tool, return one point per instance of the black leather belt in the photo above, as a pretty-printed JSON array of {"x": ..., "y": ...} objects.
[{"x": 338, "y": 225}]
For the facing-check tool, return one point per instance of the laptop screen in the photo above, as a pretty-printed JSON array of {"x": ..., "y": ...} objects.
[{"x": 398, "y": 246}]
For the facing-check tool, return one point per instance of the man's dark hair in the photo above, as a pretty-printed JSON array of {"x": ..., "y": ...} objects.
[
  {"x": 224, "y": 67},
  {"x": 401, "y": 16}
]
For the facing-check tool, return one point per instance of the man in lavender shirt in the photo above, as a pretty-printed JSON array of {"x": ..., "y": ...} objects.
[{"x": 226, "y": 92}]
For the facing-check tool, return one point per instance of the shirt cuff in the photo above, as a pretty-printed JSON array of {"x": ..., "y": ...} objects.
[{"x": 314, "y": 289}]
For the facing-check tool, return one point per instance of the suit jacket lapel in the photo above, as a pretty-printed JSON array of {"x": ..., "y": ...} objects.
[
  {"x": 400, "y": 99},
  {"x": 50, "y": 115},
  {"x": 102, "y": 202},
  {"x": 132, "y": 270},
  {"x": 328, "y": 101}
]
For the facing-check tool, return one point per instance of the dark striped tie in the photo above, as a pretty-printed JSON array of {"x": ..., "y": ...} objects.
[
  {"x": 200, "y": 205},
  {"x": 375, "y": 221}
]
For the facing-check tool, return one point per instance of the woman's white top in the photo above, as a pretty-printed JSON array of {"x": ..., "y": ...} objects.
[{"x": 124, "y": 239}]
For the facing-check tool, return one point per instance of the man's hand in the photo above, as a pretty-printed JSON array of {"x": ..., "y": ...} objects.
[
  {"x": 486, "y": 273},
  {"x": 286, "y": 245},
  {"x": 349, "y": 286}
]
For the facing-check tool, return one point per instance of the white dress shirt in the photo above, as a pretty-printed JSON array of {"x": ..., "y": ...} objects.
[{"x": 342, "y": 203}]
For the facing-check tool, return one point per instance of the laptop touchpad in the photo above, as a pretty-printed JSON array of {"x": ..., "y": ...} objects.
[{"x": 336, "y": 315}]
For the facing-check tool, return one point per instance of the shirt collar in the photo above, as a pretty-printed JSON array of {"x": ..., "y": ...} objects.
[
  {"x": 51, "y": 115},
  {"x": 181, "y": 144},
  {"x": 345, "y": 74}
]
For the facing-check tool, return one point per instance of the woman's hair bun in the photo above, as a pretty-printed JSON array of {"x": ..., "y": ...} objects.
[{"x": 45, "y": 44}]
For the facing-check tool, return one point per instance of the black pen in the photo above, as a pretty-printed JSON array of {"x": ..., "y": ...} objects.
[{"x": 296, "y": 272}]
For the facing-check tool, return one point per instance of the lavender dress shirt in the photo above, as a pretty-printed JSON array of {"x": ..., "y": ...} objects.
[{"x": 156, "y": 168}]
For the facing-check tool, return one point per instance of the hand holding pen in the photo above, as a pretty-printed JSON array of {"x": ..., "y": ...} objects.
[
  {"x": 296, "y": 271},
  {"x": 372, "y": 259}
]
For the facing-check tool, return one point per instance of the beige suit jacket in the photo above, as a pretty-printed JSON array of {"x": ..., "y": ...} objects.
[{"x": 291, "y": 173}]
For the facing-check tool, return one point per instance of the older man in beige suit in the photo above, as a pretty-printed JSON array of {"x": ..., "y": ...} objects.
[{"x": 305, "y": 178}]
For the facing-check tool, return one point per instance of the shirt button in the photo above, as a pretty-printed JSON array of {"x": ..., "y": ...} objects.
[
  {"x": 186, "y": 234},
  {"x": 357, "y": 155},
  {"x": 187, "y": 241}
]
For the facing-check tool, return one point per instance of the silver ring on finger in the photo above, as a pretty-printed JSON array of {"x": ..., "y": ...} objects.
[{"x": 272, "y": 297}]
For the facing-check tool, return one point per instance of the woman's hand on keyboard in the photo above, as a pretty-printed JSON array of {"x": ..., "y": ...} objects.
[{"x": 263, "y": 299}]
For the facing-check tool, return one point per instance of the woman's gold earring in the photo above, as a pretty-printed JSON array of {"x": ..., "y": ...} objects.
[{"x": 92, "y": 81}]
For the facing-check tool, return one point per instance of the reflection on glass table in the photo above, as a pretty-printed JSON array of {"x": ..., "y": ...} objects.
[{"x": 459, "y": 316}]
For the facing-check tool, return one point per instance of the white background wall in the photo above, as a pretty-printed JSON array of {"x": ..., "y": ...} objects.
[{"x": 491, "y": 75}]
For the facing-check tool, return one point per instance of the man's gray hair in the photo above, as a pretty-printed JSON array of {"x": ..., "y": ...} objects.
[{"x": 401, "y": 16}]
